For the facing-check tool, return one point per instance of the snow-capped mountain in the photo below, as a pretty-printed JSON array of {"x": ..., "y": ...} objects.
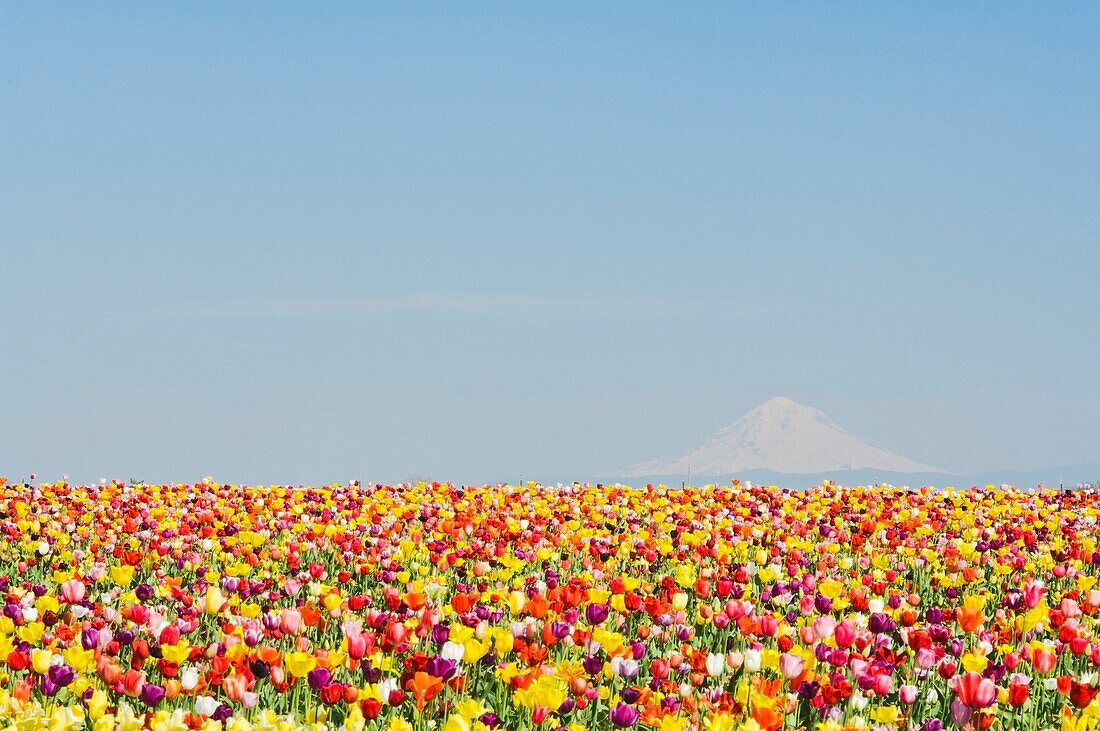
[{"x": 781, "y": 436}]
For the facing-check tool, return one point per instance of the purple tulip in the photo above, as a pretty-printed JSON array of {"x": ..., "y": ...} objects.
[
  {"x": 440, "y": 633},
  {"x": 319, "y": 678},
  {"x": 89, "y": 638},
  {"x": 439, "y": 667},
  {"x": 878, "y": 623},
  {"x": 61, "y": 675},
  {"x": 596, "y": 613},
  {"x": 152, "y": 694},
  {"x": 808, "y": 689},
  {"x": 624, "y": 716}
]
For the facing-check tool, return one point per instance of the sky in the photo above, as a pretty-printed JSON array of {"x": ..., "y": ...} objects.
[{"x": 320, "y": 241}]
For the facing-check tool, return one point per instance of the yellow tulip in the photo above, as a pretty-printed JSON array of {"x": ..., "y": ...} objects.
[
  {"x": 673, "y": 723},
  {"x": 516, "y": 601},
  {"x": 177, "y": 653},
  {"x": 40, "y": 661},
  {"x": 97, "y": 704},
  {"x": 474, "y": 650},
  {"x": 47, "y": 603},
  {"x": 299, "y": 663},
  {"x": 456, "y": 723},
  {"x": 122, "y": 575},
  {"x": 79, "y": 658},
  {"x": 215, "y": 600}
]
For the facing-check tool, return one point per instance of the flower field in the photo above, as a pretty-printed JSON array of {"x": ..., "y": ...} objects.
[{"x": 433, "y": 606}]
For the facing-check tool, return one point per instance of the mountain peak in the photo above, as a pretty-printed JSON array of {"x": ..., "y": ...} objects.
[
  {"x": 782, "y": 405},
  {"x": 783, "y": 436}
]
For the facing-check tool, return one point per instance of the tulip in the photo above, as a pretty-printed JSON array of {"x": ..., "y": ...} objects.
[
  {"x": 596, "y": 613},
  {"x": 624, "y": 716},
  {"x": 961, "y": 712},
  {"x": 1033, "y": 593},
  {"x": 152, "y": 695},
  {"x": 845, "y": 634},
  {"x": 790, "y": 665},
  {"x": 214, "y": 601},
  {"x": 1043, "y": 659},
  {"x": 319, "y": 678},
  {"x": 189, "y": 678},
  {"x": 715, "y": 664},
  {"x": 206, "y": 705},
  {"x": 975, "y": 691},
  {"x": 290, "y": 622},
  {"x": 61, "y": 675},
  {"x": 73, "y": 591}
]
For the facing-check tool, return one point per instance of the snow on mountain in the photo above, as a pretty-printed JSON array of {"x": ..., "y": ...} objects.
[{"x": 781, "y": 436}]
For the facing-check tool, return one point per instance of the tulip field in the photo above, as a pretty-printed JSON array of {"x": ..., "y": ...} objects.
[{"x": 438, "y": 607}]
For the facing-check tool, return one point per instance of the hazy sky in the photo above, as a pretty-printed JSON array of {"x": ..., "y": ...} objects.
[{"x": 310, "y": 242}]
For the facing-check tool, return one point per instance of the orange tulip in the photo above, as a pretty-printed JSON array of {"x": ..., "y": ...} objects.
[{"x": 424, "y": 687}]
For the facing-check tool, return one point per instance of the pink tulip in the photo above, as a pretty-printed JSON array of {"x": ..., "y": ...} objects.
[
  {"x": 790, "y": 665},
  {"x": 845, "y": 634},
  {"x": 73, "y": 591},
  {"x": 960, "y": 712},
  {"x": 1033, "y": 593},
  {"x": 291, "y": 621},
  {"x": 883, "y": 684},
  {"x": 357, "y": 646},
  {"x": 824, "y": 627}
]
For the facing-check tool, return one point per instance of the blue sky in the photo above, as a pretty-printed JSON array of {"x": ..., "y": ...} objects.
[{"x": 307, "y": 242}]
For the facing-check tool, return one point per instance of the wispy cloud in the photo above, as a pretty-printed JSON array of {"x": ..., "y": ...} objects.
[{"x": 447, "y": 303}]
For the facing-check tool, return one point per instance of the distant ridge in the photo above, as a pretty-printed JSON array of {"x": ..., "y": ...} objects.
[{"x": 782, "y": 436}]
